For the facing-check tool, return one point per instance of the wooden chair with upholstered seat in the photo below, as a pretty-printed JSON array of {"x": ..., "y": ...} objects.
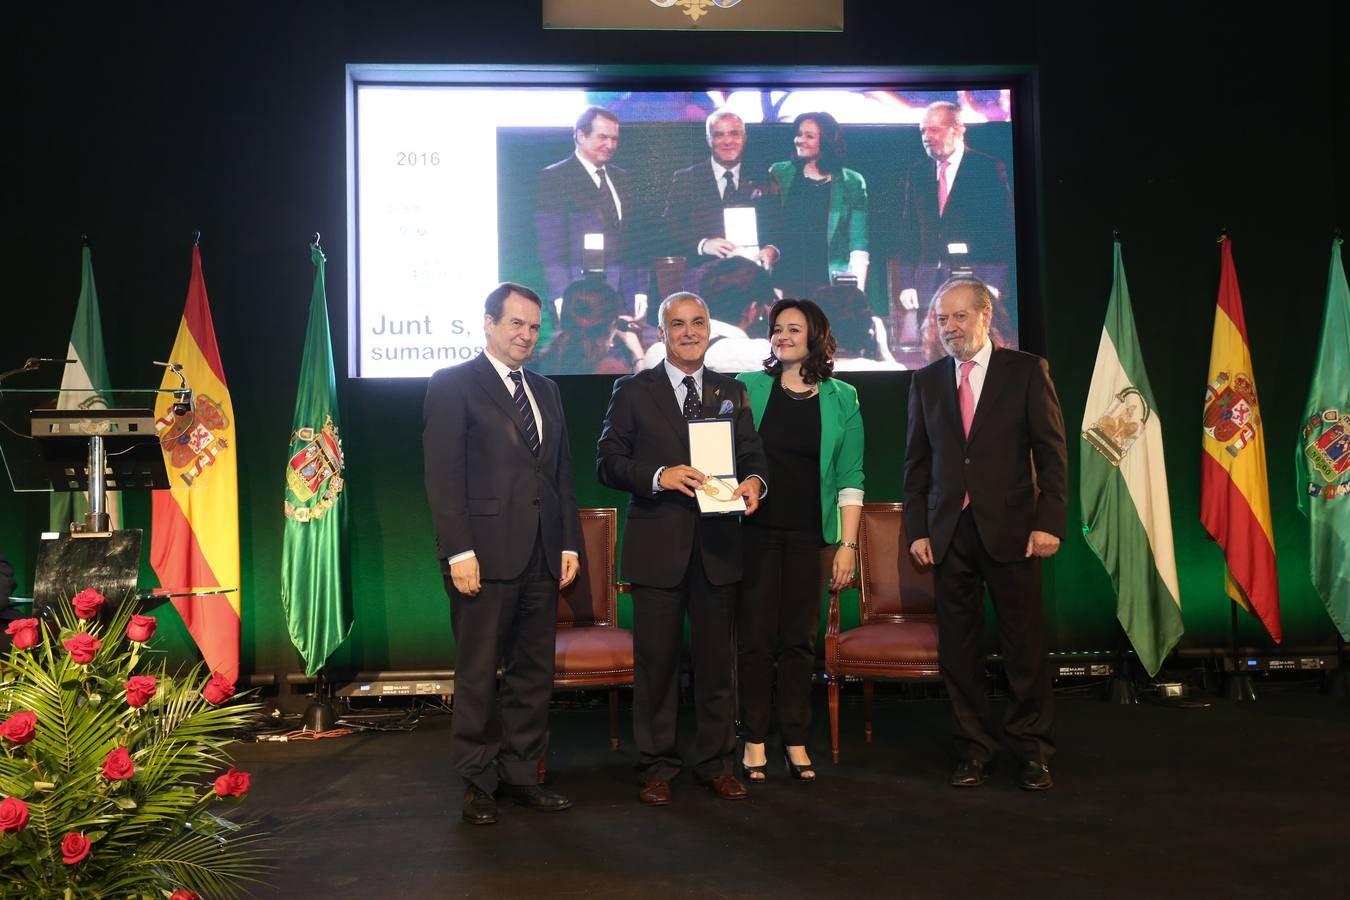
[
  {"x": 896, "y": 637},
  {"x": 592, "y": 651}
]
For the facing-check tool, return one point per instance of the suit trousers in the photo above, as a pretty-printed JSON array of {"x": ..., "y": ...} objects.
[
  {"x": 511, "y": 623},
  {"x": 777, "y": 622},
  {"x": 1015, "y": 588},
  {"x": 658, "y": 630}
]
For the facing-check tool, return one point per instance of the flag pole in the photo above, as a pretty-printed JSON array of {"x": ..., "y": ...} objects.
[{"x": 1240, "y": 687}]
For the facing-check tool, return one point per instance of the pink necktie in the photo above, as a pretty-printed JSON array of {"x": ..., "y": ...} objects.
[
  {"x": 942, "y": 186},
  {"x": 965, "y": 395}
]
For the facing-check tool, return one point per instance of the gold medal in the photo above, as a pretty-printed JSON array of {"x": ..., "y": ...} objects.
[{"x": 718, "y": 489}]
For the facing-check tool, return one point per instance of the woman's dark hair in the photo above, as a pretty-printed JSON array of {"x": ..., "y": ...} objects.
[
  {"x": 820, "y": 345},
  {"x": 831, "y": 141}
]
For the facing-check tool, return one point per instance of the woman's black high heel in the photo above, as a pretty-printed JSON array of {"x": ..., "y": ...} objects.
[
  {"x": 805, "y": 773},
  {"x": 753, "y": 774}
]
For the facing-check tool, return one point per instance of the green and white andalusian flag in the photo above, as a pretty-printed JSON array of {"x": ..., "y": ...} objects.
[
  {"x": 85, "y": 385},
  {"x": 1127, "y": 519}
]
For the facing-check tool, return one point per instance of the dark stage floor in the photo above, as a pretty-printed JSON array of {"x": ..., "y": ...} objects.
[{"x": 1150, "y": 801}]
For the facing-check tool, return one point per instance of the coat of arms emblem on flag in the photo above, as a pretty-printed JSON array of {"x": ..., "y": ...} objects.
[
  {"x": 1231, "y": 411},
  {"x": 1116, "y": 430},
  {"x": 314, "y": 475},
  {"x": 1326, "y": 444},
  {"x": 191, "y": 441}
]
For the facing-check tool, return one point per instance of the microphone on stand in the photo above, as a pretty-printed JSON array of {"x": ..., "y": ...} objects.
[
  {"x": 33, "y": 363},
  {"x": 183, "y": 395}
]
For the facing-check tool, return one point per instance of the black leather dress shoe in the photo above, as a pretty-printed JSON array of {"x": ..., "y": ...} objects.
[
  {"x": 533, "y": 796},
  {"x": 969, "y": 773},
  {"x": 480, "y": 807},
  {"x": 1036, "y": 776}
]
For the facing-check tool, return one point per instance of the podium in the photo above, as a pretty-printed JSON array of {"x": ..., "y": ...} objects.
[{"x": 80, "y": 440}]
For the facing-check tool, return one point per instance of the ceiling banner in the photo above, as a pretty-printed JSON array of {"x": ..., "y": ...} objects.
[{"x": 697, "y": 15}]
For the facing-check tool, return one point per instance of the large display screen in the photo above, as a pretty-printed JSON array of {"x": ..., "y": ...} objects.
[{"x": 603, "y": 201}]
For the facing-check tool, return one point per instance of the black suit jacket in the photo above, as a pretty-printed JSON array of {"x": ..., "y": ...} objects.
[
  {"x": 1014, "y": 464},
  {"x": 979, "y": 213},
  {"x": 568, "y": 207},
  {"x": 694, "y": 207},
  {"x": 644, "y": 431},
  {"x": 488, "y": 492}
]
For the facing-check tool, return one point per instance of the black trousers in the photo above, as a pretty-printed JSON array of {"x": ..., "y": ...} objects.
[
  {"x": 512, "y": 623},
  {"x": 776, "y": 626},
  {"x": 1015, "y": 588},
  {"x": 658, "y": 631}
]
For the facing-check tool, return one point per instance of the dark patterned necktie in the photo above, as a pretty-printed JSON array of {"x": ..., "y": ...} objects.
[
  {"x": 692, "y": 408},
  {"x": 729, "y": 188},
  {"x": 526, "y": 412},
  {"x": 607, "y": 208}
]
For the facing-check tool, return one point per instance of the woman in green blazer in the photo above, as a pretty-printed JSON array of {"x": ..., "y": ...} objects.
[
  {"x": 823, "y": 220},
  {"x": 813, "y": 437}
]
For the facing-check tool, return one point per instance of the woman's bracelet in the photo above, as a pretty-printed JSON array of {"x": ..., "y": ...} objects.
[{"x": 852, "y": 545}]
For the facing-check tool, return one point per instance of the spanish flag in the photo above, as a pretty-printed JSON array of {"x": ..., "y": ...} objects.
[
  {"x": 1234, "y": 491},
  {"x": 194, "y": 543}
]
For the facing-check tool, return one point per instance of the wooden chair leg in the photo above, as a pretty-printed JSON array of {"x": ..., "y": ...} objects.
[
  {"x": 867, "y": 709},
  {"x": 614, "y": 718},
  {"x": 834, "y": 719}
]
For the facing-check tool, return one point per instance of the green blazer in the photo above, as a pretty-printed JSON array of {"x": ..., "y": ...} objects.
[
  {"x": 846, "y": 228},
  {"x": 841, "y": 440}
]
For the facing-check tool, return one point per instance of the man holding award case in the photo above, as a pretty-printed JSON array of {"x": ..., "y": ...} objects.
[{"x": 681, "y": 549}]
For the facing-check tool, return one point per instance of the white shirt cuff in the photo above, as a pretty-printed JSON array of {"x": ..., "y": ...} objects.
[{"x": 850, "y": 497}]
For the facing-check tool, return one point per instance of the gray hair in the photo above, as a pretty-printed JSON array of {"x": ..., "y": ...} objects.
[
  {"x": 953, "y": 110},
  {"x": 984, "y": 298},
  {"x": 674, "y": 298},
  {"x": 716, "y": 116}
]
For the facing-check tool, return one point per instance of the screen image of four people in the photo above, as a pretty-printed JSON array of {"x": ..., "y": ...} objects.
[
  {"x": 800, "y": 229},
  {"x": 985, "y": 488}
]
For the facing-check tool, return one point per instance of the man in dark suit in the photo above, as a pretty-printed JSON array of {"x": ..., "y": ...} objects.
[
  {"x": 957, "y": 214},
  {"x": 694, "y": 218},
  {"x": 583, "y": 194},
  {"x": 986, "y": 494},
  {"x": 676, "y": 559},
  {"x": 499, "y": 482}
]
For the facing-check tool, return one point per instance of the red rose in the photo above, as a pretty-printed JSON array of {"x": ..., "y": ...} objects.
[
  {"x": 74, "y": 847},
  {"x": 87, "y": 603},
  {"x": 13, "y": 815},
  {"x": 18, "y": 728},
  {"x": 184, "y": 894},
  {"x": 232, "y": 784},
  {"x": 25, "y": 633},
  {"x": 140, "y": 688},
  {"x": 82, "y": 647},
  {"x": 218, "y": 689},
  {"x": 118, "y": 766},
  {"x": 141, "y": 628}
]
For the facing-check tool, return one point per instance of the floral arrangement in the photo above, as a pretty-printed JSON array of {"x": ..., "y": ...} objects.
[{"x": 110, "y": 768}]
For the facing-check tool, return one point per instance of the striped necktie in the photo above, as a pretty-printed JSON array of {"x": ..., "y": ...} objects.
[{"x": 526, "y": 412}]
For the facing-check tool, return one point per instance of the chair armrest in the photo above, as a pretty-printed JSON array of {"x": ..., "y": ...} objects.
[{"x": 832, "y": 616}]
